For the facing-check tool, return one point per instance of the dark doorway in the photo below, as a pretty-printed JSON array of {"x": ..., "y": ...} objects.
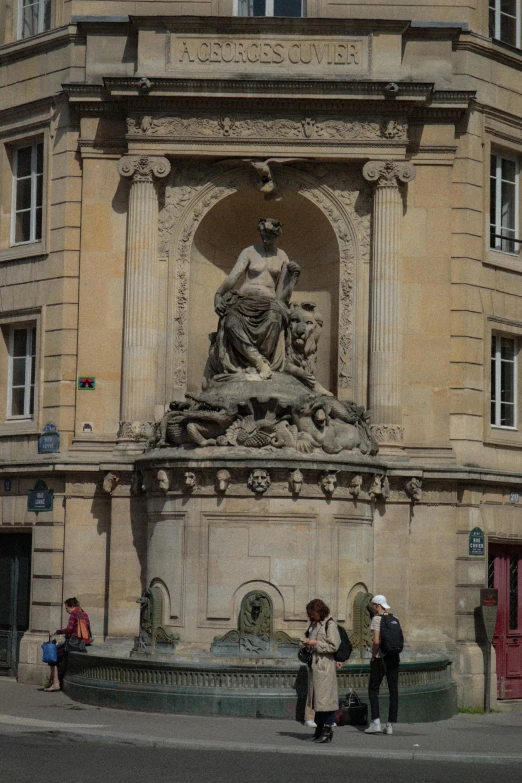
[
  {"x": 15, "y": 586},
  {"x": 505, "y": 573}
]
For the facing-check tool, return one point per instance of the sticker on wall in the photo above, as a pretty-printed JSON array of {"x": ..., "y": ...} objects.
[
  {"x": 49, "y": 440},
  {"x": 87, "y": 427},
  {"x": 8, "y": 485},
  {"x": 476, "y": 542},
  {"x": 86, "y": 382},
  {"x": 514, "y": 496}
]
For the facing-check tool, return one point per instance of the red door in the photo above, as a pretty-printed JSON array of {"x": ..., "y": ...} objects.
[{"x": 505, "y": 573}]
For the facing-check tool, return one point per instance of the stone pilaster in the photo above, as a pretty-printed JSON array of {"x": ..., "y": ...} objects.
[
  {"x": 385, "y": 387},
  {"x": 141, "y": 293}
]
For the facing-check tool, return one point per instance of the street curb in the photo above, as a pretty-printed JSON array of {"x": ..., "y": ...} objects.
[{"x": 141, "y": 741}]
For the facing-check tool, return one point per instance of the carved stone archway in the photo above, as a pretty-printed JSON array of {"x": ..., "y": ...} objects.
[{"x": 195, "y": 187}]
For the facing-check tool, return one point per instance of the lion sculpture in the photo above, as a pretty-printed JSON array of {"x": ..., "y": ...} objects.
[{"x": 302, "y": 336}]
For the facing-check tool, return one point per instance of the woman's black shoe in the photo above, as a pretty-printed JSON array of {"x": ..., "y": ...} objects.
[
  {"x": 317, "y": 733},
  {"x": 326, "y": 735}
]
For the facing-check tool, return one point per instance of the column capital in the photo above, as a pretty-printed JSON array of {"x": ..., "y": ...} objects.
[
  {"x": 143, "y": 168},
  {"x": 389, "y": 173}
]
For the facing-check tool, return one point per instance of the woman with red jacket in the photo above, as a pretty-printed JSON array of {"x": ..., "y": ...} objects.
[{"x": 77, "y": 636}]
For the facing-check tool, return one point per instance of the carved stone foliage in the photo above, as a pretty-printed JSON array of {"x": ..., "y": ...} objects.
[
  {"x": 387, "y": 433},
  {"x": 255, "y": 636},
  {"x": 359, "y": 128},
  {"x": 136, "y": 430},
  {"x": 193, "y": 188}
]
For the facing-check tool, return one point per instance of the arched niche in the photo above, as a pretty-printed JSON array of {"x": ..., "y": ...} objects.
[
  {"x": 307, "y": 238},
  {"x": 338, "y": 194}
]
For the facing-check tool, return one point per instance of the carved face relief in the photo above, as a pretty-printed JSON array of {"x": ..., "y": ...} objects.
[
  {"x": 304, "y": 331},
  {"x": 110, "y": 482},
  {"x": 190, "y": 480},
  {"x": 380, "y": 488},
  {"x": 329, "y": 482},
  {"x": 223, "y": 479},
  {"x": 355, "y": 486},
  {"x": 259, "y": 480},
  {"x": 162, "y": 477},
  {"x": 269, "y": 230},
  {"x": 295, "y": 482},
  {"x": 414, "y": 489}
]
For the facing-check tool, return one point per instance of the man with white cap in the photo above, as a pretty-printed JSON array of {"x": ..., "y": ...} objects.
[{"x": 382, "y": 664}]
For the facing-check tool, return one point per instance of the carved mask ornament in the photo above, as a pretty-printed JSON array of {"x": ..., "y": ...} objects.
[
  {"x": 190, "y": 481},
  {"x": 223, "y": 479},
  {"x": 259, "y": 481},
  {"x": 329, "y": 482},
  {"x": 162, "y": 477},
  {"x": 295, "y": 482}
]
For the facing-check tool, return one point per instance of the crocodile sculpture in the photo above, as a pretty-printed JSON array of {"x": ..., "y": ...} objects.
[{"x": 201, "y": 420}]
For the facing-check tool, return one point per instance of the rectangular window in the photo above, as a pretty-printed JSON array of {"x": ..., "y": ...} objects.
[
  {"x": 271, "y": 7},
  {"x": 504, "y": 204},
  {"x": 504, "y": 21},
  {"x": 27, "y": 194},
  {"x": 35, "y": 17},
  {"x": 21, "y": 372},
  {"x": 503, "y": 381}
]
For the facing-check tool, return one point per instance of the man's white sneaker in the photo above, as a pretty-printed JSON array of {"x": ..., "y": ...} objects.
[
  {"x": 310, "y": 724},
  {"x": 388, "y": 730},
  {"x": 374, "y": 728}
]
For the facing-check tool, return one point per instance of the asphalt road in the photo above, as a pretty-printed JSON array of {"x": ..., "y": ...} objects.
[{"x": 36, "y": 758}]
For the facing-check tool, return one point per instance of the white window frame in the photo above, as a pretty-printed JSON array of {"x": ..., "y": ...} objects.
[
  {"x": 31, "y": 351},
  {"x": 269, "y": 9},
  {"x": 496, "y": 7},
  {"x": 496, "y": 383},
  {"x": 41, "y": 18},
  {"x": 497, "y": 247},
  {"x": 34, "y": 190}
]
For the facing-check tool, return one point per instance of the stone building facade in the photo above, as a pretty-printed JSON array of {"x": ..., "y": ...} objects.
[{"x": 139, "y": 144}]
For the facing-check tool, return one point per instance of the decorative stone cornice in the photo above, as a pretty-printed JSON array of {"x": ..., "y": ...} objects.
[
  {"x": 389, "y": 173},
  {"x": 306, "y": 127},
  {"x": 143, "y": 168}
]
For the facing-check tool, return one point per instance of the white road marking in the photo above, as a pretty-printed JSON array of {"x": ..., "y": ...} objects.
[{"x": 48, "y": 724}]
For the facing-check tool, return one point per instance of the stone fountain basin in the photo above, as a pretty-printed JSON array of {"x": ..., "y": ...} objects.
[{"x": 240, "y": 688}]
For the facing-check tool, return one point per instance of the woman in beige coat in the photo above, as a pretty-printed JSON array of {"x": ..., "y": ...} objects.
[{"x": 323, "y": 639}]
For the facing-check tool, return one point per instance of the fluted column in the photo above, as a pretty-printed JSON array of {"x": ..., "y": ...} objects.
[
  {"x": 385, "y": 384},
  {"x": 141, "y": 288}
]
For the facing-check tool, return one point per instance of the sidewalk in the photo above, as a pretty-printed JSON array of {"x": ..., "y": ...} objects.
[{"x": 493, "y": 739}]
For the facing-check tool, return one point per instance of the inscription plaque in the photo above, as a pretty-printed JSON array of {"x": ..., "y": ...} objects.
[{"x": 343, "y": 56}]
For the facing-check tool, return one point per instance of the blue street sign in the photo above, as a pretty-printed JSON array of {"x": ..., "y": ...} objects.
[
  {"x": 49, "y": 440},
  {"x": 40, "y": 498},
  {"x": 476, "y": 542}
]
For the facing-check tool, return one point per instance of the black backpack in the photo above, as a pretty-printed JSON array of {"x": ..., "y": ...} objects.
[
  {"x": 392, "y": 639},
  {"x": 344, "y": 650}
]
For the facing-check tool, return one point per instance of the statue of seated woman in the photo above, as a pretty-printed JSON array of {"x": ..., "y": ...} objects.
[{"x": 253, "y": 317}]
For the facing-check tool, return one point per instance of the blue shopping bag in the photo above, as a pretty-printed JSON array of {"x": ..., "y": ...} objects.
[{"x": 50, "y": 652}]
